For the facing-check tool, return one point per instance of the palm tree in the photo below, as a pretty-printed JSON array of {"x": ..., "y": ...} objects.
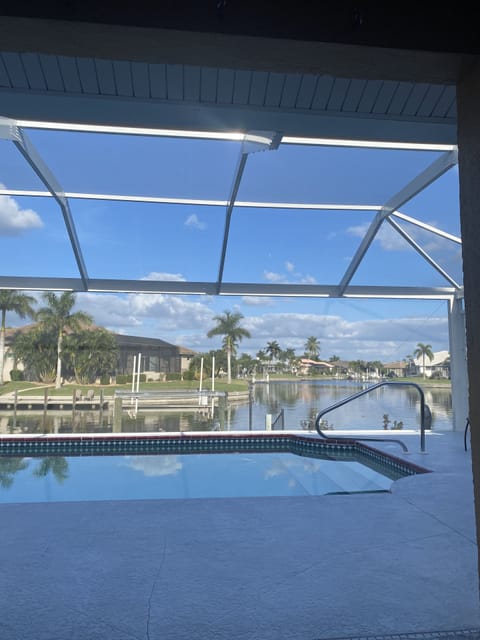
[
  {"x": 19, "y": 303},
  {"x": 57, "y": 466},
  {"x": 312, "y": 348},
  {"x": 409, "y": 362},
  {"x": 290, "y": 358},
  {"x": 273, "y": 349},
  {"x": 423, "y": 351},
  {"x": 261, "y": 355},
  {"x": 8, "y": 468},
  {"x": 37, "y": 351},
  {"x": 228, "y": 326},
  {"x": 58, "y": 317},
  {"x": 91, "y": 353}
]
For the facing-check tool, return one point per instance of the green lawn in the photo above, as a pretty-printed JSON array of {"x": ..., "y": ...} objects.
[{"x": 37, "y": 389}]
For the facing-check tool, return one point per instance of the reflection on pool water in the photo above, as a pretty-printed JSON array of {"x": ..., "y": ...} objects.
[{"x": 216, "y": 475}]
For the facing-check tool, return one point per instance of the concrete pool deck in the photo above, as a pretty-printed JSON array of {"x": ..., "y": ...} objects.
[{"x": 305, "y": 568}]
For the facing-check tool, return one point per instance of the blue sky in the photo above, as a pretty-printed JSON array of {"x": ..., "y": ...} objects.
[{"x": 183, "y": 242}]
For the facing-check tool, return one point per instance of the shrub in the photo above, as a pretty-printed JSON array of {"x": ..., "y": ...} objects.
[
  {"x": 105, "y": 379},
  {"x": 189, "y": 375},
  {"x": 16, "y": 375},
  {"x": 126, "y": 379},
  {"x": 173, "y": 376}
]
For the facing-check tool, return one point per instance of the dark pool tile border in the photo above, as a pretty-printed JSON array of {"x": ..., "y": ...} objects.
[
  {"x": 126, "y": 444},
  {"x": 395, "y": 461}
]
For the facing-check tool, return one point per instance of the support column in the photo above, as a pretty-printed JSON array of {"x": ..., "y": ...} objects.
[
  {"x": 468, "y": 109},
  {"x": 458, "y": 363}
]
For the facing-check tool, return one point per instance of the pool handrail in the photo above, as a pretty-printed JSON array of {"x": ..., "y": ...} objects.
[
  {"x": 425, "y": 413},
  {"x": 280, "y": 418},
  {"x": 465, "y": 433}
]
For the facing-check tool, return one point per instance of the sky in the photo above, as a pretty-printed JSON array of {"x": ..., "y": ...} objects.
[{"x": 183, "y": 242}]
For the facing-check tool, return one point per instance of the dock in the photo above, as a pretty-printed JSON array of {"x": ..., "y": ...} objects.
[{"x": 17, "y": 402}]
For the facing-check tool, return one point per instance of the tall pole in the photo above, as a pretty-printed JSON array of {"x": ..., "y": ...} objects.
[
  {"x": 213, "y": 384},
  {"x": 45, "y": 404},
  {"x": 139, "y": 362},
  {"x": 250, "y": 402},
  {"x": 15, "y": 400},
  {"x": 201, "y": 382},
  {"x": 458, "y": 363},
  {"x": 133, "y": 376}
]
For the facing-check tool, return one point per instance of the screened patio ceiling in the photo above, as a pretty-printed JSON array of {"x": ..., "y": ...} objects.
[{"x": 119, "y": 209}]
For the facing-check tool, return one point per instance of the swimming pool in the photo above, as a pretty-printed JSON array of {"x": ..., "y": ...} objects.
[{"x": 59, "y": 469}]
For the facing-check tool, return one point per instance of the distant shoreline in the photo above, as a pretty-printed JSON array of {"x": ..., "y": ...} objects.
[
  {"x": 237, "y": 387},
  {"x": 437, "y": 384}
]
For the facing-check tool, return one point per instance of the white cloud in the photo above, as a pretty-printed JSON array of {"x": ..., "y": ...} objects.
[
  {"x": 271, "y": 276},
  {"x": 185, "y": 321},
  {"x": 280, "y": 278},
  {"x": 150, "y": 314},
  {"x": 152, "y": 466},
  {"x": 383, "y": 339},
  {"x": 172, "y": 313},
  {"x": 257, "y": 301},
  {"x": 109, "y": 310},
  {"x": 307, "y": 279},
  {"x": 358, "y": 230},
  {"x": 166, "y": 277},
  {"x": 389, "y": 239},
  {"x": 289, "y": 266},
  {"x": 193, "y": 222},
  {"x": 14, "y": 220}
]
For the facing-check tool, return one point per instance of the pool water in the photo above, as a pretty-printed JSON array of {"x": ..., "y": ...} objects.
[{"x": 177, "y": 476}]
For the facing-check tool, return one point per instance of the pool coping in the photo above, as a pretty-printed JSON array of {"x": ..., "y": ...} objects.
[{"x": 198, "y": 442}]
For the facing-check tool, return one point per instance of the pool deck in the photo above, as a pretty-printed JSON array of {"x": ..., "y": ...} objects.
[{"x": 309, "y": 568}]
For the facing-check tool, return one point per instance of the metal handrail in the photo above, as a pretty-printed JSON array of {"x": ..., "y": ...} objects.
[
  {"x": 425, "y": 413},
  {"x": 467, "y": 426},
  {"x": 280, "y": 417}
]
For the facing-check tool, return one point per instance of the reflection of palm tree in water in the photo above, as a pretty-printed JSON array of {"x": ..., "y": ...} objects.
[
  {"x": 8, "y": 468},
  {"x": 56, "y": 465}
]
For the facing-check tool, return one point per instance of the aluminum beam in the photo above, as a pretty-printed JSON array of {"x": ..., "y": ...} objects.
[
  {"x": 33, "y": 158},
  {"x": 420, "y": 182},
  {"x": 254, "y": 141},
  {"x": 427, "y": 227},
  {"x": 104, "y": 285},
  {"x": 228, "y": 216},
  {"x": 445, "y": 162},
  {"x": 224, "y": 135},
  {"x": 309, "y": 206},
  {"x": 30, "y": 105},
  {"x": 8, "y": 129},
  {"x": 458, "y": 363},
  {"x": 361, "y": 251},
  {"x": 422, "y": 252}
]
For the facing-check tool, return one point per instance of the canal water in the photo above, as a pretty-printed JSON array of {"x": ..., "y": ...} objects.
[{"x": 298, "y": 401}]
